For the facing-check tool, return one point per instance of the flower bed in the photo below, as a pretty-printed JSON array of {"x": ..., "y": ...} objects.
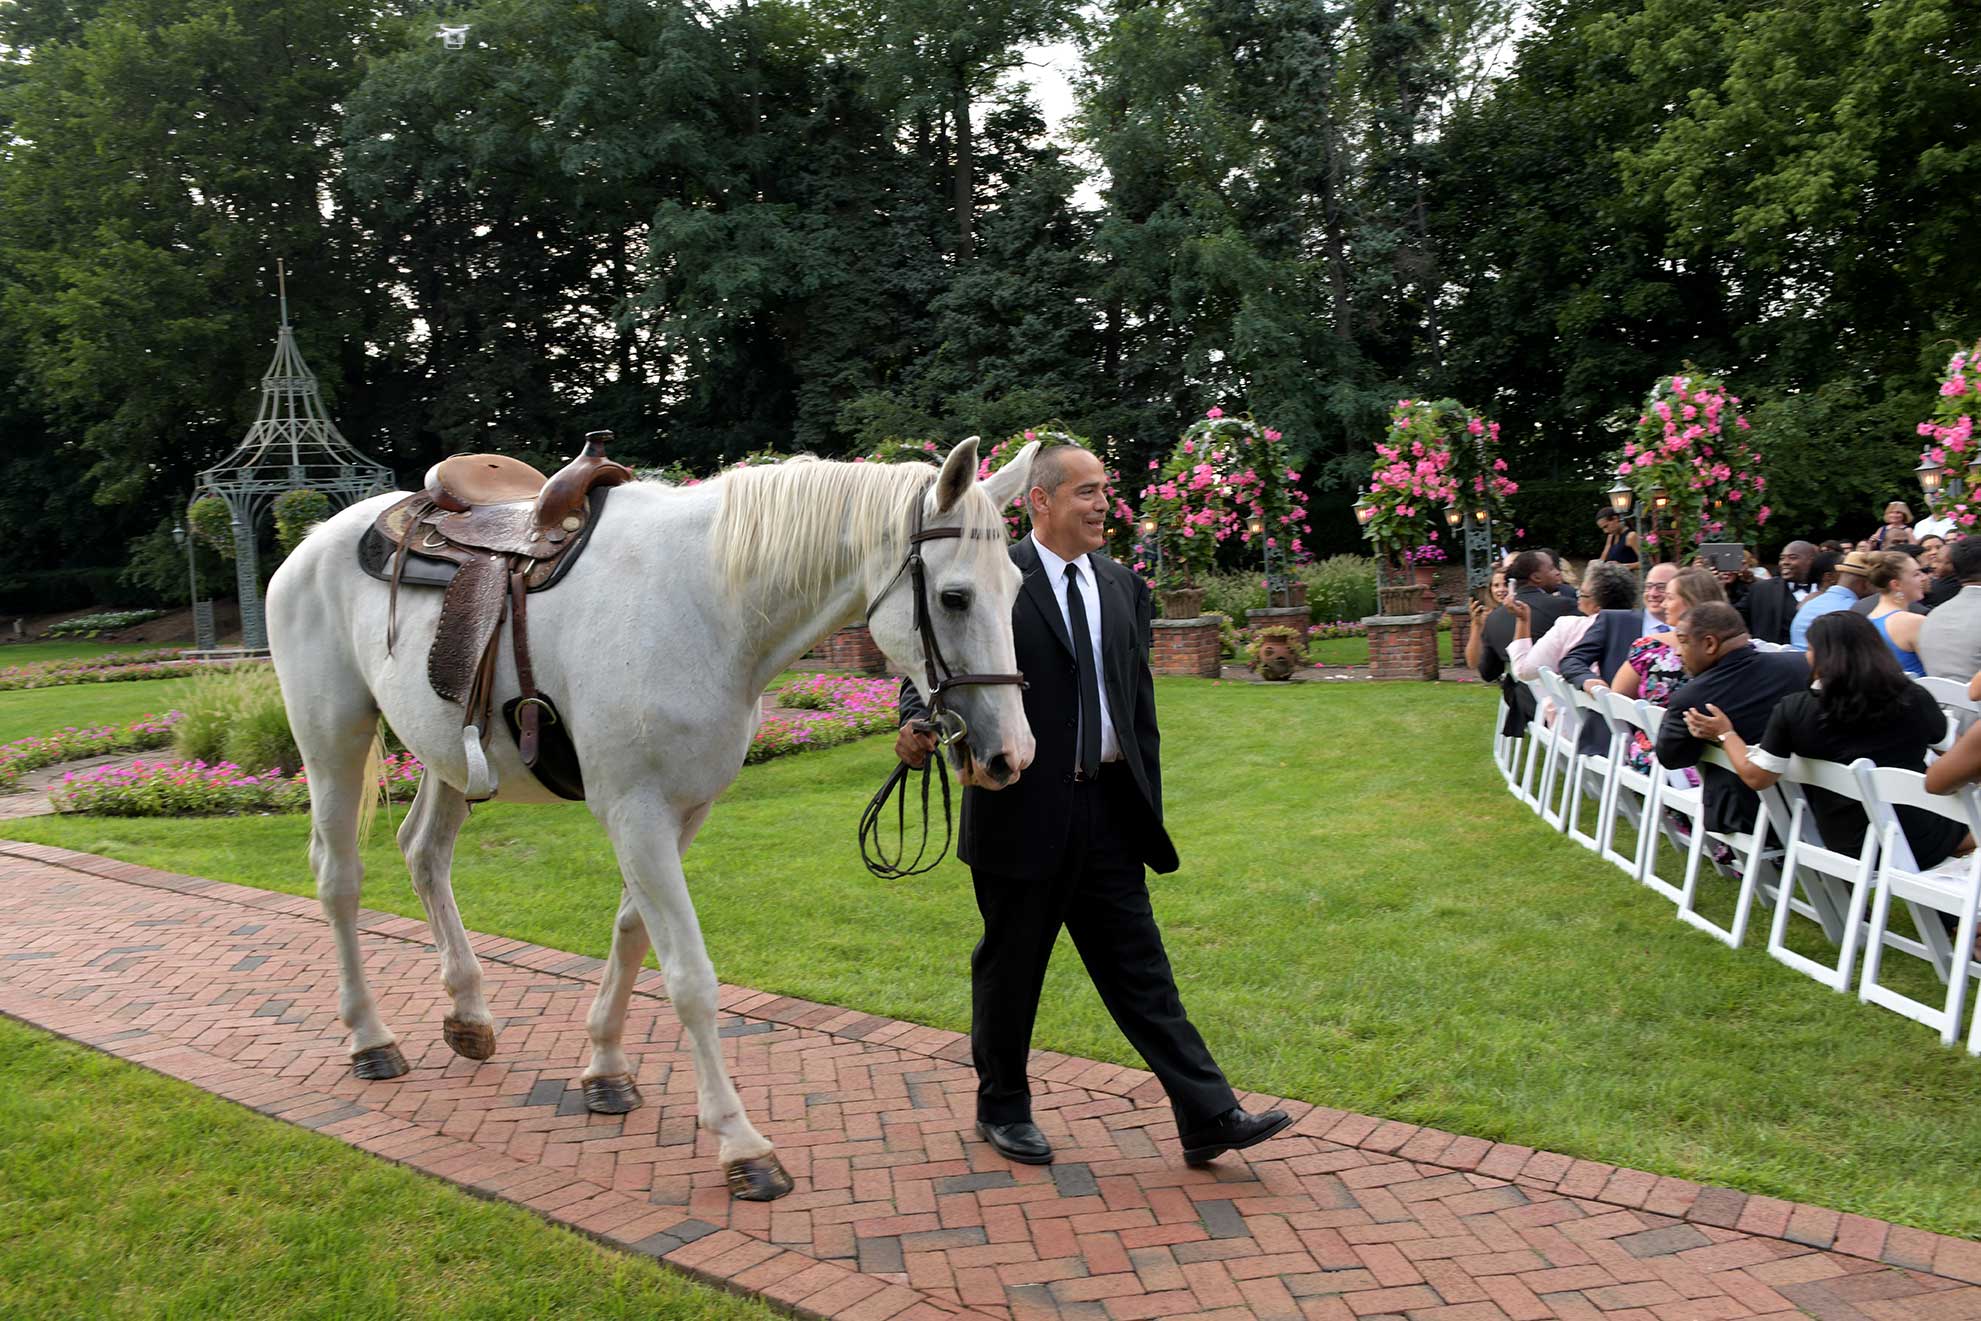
[
  {"x": 194, "y": 788},
  {"x": 118, "y": 667},
  {"x": 88, "y": 626},
  {"x": 823, "y": 711},
  {"x": 75, "y": 743}
]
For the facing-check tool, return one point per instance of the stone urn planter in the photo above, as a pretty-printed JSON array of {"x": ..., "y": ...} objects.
[
  {"x": 1407, "y": 599},
  {"x": 1291, "y": 593},
  {"x": 1183, "y": 603}
]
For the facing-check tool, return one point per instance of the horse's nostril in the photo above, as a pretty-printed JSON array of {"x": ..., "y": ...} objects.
[{"x": 999, "y": 767}]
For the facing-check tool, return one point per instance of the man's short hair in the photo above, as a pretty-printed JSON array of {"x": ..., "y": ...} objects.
[
  {"x": 1823, "y": 564},
  {"x": 1965, "y": 556},
  {"x": 1528, "y": 563},
  {"x": 1714, "y": 619},
  {"x": 1049, "y": 464}
]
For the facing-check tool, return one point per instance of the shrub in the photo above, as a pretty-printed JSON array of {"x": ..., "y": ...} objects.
[
  {"x": 237, "y": 717},
  {"x": 296, "y": 512},
  {"x": 1232, "y": 594},
  {"x": 212, "y": 523},
  {"x": 88, "y": 626},
  {"x": 1340, "y": 587}
]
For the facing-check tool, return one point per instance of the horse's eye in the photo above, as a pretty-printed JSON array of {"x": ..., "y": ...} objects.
[{"x": 955, "y": 598}]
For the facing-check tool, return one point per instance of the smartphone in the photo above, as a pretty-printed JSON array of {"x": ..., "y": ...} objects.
[
  {"x": 1725, "y": 556},
  {"x": 1483, "y": 594}
]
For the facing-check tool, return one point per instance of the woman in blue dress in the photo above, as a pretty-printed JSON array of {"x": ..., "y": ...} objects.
[{"x": 1899, "y": 581}]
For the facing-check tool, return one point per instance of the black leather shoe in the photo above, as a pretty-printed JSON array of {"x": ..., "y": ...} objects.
[
  {"x": 1233, "y": 1130},
  {"x": 1021, "y": 1141}
]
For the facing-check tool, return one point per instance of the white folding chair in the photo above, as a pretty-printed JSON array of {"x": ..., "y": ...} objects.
[
  {"x": 1820, "y": 869},
  {"x": 1584, "y": 774},
  {"x": 1961, "y": 709},
  {"x": 1756, "y": 861},
  {"x": 1629, "y": 788},
  {"x": 1953, "y": 888},
  {"x": 1671, "y": 791},
  {"x": 1539, "y": 754},
  {"x": 1558, "y": 724}
]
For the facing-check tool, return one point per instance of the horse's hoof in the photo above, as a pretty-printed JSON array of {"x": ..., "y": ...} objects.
[
  {"x": 612, "y": 1095},
  {"x": 759, "y": 1179},
  {"x": 379, "y": 1063},
  {"x": 472, "y": 1041}
]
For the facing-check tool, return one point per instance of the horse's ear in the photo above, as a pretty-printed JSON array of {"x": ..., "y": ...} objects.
[
  {"x": 959, "y": 474},
  {"x": 1011, "y": 481}
]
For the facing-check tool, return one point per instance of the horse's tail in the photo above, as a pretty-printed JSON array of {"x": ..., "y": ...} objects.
[{"x": 375, "y": 788}]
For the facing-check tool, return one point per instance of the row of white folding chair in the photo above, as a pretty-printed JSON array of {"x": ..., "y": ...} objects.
[
  {"x": 1837, "y": 887},
  {"x": 1961, "y": 710}
]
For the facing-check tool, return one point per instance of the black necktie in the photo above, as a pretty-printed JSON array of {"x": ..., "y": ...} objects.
[{"x": 1090, "y": 683}]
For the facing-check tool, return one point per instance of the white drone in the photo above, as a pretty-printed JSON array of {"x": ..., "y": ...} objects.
[{"x": 454, "y": 38}]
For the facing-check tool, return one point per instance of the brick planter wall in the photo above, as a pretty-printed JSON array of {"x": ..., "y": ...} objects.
[
  {"x": 1187, "y": 647},
  {"x": 1461, "y": 632},
  {"x": 1292, "y": 616},
  {"x": 1403, "y": 646},
  {"x": 850, "y": 649}
]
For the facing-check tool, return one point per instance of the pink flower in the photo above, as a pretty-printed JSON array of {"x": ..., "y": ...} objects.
[{"x": 1214, "y": 414}]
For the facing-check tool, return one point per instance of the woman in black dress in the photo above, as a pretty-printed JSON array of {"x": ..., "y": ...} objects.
[
  {"x": 1620, "y": 546},
  {"x": 1864, "y": 707}
]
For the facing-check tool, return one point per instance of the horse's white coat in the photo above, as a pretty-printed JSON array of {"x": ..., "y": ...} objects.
[{"x": 657, "y": 646}]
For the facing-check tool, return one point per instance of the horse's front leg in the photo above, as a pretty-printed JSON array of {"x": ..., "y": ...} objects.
[
  {"x": 646, "y": 833},
  {"x": 608, "y": 1077}
]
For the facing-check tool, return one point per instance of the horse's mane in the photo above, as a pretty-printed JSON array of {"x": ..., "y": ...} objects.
[{"x": 799, "y": 526}]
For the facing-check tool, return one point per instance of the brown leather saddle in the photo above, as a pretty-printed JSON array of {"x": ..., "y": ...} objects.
[{"x": 492, "y": 530}]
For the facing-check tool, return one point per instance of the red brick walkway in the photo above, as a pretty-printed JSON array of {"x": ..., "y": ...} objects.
[{"x": 900, "y": 1211}]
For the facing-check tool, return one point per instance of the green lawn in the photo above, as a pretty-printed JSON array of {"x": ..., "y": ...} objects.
[
  {"x": 34, "y": 653},
  {"x": 1365, "y": 919},
  {"x": 45, "y": 710},
  {"x": 124, "y": 1194}
]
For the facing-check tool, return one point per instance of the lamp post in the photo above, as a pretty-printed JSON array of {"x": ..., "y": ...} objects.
[
  {"x": 1256, "y": 526},
  {"x": 1147, "y": 526},
  {"x": 203, "y": 639}
]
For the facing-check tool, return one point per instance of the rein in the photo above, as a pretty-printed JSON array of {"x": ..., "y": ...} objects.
[{"x": 948, "y": 726}]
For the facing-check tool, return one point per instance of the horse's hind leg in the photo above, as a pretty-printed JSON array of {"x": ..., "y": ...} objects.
[
  {"x": 608, "y": 1077},
  {"x": 427, "y": 841},
  {"x": 645, "y": 834},
  {"x": 335, "y": 737}
]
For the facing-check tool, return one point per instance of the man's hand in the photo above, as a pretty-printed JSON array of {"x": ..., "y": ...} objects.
[
  {"x": 1522, "y": 612},
  {"x": 1708, "y": 723},
  {"x": 914, "y": 743},
  {"x": 1593, "y": 686}
]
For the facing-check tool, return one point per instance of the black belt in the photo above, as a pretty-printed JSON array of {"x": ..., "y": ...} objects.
[{"x": 1108, "y": 769}]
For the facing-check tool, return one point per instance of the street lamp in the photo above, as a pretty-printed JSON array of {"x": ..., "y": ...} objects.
[
  {"x": 1147, "y": 525},
  {"x": 1660, "y": 499},
  {"x": 1930, "y": 475},
  {"x": 1364, "y": 511},
  {"x": 1453, "y": 515},
  {"x": 1621, "y": 497}
]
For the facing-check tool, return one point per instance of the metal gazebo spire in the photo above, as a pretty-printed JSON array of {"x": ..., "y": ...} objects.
[{"x": 293, "y": 445}]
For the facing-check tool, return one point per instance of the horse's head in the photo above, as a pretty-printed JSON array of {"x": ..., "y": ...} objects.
[{"x": 970, "y": 586}]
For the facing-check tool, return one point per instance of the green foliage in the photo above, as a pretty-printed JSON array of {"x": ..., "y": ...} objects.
[
  {"x": 1340, "y": 587},
  {"x": 88, "y": 626},
  {"x": 1232, "y": 594},
  {"x": 213, "y": 524},
  {"x": 296, "y": 512},
  {"x": 237, "y": 717}
]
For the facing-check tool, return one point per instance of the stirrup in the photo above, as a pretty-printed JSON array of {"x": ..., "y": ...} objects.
[{"x": 481, "y": 776}]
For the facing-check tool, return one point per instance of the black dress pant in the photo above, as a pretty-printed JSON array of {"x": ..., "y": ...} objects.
[{"x": 1099, "y": 894}]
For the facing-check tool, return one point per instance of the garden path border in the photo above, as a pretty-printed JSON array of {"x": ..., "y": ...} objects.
[{"x": 900, "y": 1210}]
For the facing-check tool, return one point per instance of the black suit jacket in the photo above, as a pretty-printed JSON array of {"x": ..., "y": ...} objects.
[
  {"x": 1604, "y": 648},
  {"x": 1544, "y": 609},
  {"x": 1770, "y": 608},
  {"x": 1747, "y": 685},
  {"x": 1020, "y": 830}
]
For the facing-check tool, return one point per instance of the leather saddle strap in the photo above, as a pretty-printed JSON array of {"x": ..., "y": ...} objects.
[
  {"x": 399, "y": 555},
  {"x": 529, "y": 711},
  {"x": 481, "y": 696}
]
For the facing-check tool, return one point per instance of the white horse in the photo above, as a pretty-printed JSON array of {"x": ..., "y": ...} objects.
[{"x": 657, "y": 645}]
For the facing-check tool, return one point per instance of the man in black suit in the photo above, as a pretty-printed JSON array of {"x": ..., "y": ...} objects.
[
  {"x": 1771, "y": 603},
  {"x": 1730, "y": 675},
  {"x": 1067, "y": 843},
  {"x": 1532, "y": 578}
]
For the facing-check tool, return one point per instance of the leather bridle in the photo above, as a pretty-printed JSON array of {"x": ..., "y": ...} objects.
[{"x": 948, "y": 726}]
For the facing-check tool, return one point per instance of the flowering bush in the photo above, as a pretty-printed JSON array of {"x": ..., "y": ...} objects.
[
  {"x": 1691, "y": 444},
  {"x": 1949, "y": 434},
  {"x": 118, "y": 667},
  {"x": 825, "y": 710},
  {"x": 75, "y": 743},
  {"x": 1437, "y": 453},
  {"x": 88, "y": 626},
  {"x": 1223, "y": 473},
  {"x": 197, "y": 788},
  {"x": 212, "y": 523}
]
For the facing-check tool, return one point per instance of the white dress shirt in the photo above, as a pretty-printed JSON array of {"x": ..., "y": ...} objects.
[{"x": 1054, "y": 569}]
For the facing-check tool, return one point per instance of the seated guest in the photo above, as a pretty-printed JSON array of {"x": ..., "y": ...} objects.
[
  {"x": 1606, "y": 585},
  {"x": 1772, "y": 602},
  {"x": 1605, "y": 646},
  {"x": 1620, "y": 546},
  {"x": 1898, "y": 582},
  {"x": 1728, "y": 674},
  {"x": 1653, "y": 669},
  {"x": 1533, "y": 576},
  {"x": 1895, "y": 531},
  {"x": 1566, "y": 588},
  {"x": 1943, "y": 586},
  {"x": 1863, "y": 706},
  {"x": 1950, "y": 641},
  {"x": 1475, "y": 640},
  {"x": 1850, "y": 582},
  {"x": 1868, "y": 605}
]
